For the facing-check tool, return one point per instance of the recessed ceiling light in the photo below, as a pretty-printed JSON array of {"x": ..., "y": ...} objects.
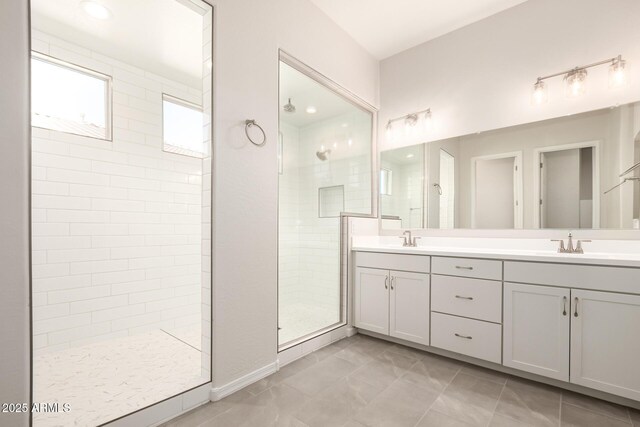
[
  {"x": 311, "y": 109},
  {"x": 95, "y": 9}
]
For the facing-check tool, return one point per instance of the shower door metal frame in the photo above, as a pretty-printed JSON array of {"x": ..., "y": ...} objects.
[{"x": 360, "y": 103}]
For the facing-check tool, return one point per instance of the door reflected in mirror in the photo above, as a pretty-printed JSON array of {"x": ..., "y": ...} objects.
[{"x": 572, "y": 172}]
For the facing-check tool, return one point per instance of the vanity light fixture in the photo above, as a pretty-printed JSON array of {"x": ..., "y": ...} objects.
[
  {"x": 617, "y": 74},
  {"x": 389, "y": 131},
  {"x": 95, "y": 9},
  {"x": 575, "y": 79},
  {"x": 411, "y": 122},
  {"x": 540, "y": 94}
]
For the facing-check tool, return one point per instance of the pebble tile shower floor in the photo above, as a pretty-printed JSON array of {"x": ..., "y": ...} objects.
[{"x": 362, "y": 381}]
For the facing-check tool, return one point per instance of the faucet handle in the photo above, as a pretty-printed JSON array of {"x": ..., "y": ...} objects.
[
  {"x": 561, "y": 248},
  {"x": 414, "y": 243},
  {"x": 579, "y": 249}
]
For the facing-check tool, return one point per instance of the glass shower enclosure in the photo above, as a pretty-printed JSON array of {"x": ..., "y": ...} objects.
[{"x": 325, "y": 166}]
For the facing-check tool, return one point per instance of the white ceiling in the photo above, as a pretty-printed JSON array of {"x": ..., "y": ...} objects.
[
  {"x": 164, "y": 36},
  {"x": 385, "y": 27},
  {"x": 305, "y": 92}
]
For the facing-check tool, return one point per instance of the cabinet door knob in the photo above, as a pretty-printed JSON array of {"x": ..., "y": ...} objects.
[
  {"x": 575, "y": 312},
  {"x": 461, "y": 297},
  {"x": 564, "y": 306},
  {"x": 463, "y": 336}
]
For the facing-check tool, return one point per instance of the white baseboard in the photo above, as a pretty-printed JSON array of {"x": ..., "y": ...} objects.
[{"x": 218, "y": 393}]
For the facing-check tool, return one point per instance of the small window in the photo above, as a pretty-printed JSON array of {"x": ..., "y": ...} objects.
[
  {"x": 386, "y": 177},
  {"x": 183, "y": 127},
  {"x": 330, "y": 201},
  {"x": 68, "y": 98}
]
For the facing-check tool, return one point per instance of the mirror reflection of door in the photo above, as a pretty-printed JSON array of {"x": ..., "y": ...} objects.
[
  {"x": 568, "y": 198},
  {"x": 497, "y": 191},
  {"x": 446, "y": 190},
  {"x": 636, "y": 184}
]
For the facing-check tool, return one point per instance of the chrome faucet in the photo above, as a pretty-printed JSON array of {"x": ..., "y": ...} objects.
[
  {"x": 408, "y": 241},
  {"x": 569, "y": 249}
]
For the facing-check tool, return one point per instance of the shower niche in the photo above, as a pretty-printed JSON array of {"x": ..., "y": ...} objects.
[{"x": 325, "y": 173}]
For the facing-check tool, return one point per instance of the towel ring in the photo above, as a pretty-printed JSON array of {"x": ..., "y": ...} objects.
[{"x": 250, "y": 123}]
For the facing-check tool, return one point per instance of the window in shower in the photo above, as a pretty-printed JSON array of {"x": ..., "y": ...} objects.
[
  {"x": 120, "y": 317},
  {"x": 182, "y": 126},
  {"x": 327, "y": 172},
  {"x": 69, "y": 98}
]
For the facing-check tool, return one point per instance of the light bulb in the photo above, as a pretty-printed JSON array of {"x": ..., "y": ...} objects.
[
  {"x": 311, "y": 109},
  {"x": 428, "y": 120},
  {"x": 540, "y": 94},
  {"x": 409, "y": 156},
  {"x": 95, "y": 9},
  {"x": 350, "y": 142},
  {"x": 410, "y": 123},
  {"x": 617, "y": 74},
  {"x": 575, "y": 82},
  {"x": 389, "y": 131}
]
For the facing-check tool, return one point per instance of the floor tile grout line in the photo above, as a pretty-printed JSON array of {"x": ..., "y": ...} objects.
[
  {"x": 493, "y": 413},
  {"x": 560, "y": 410}
]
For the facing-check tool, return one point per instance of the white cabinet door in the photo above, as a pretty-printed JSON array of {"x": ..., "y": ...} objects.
[
  {"x": 536, "y": 329},
  {"x": 409, "y": 313},
  {"x": 605, "y": 342},
  {"x": 371, "y": 302}
]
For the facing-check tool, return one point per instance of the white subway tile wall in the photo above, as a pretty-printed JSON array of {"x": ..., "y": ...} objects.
[
  {"x": 119, "y": 227},
  {"x": 309, "y": 246}
]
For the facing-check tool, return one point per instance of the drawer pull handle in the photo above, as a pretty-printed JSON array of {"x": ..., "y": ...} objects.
[
  {"x": 463, "y": 336},
  {"x": 564, "y": 306},
  {"x": 392, "y": 278},
  {"x": 575, "y": 313},
  {"x": 461, "y": 267},
  {"x": 386, "y": 282},
  {"x": 461, "y": 297}
]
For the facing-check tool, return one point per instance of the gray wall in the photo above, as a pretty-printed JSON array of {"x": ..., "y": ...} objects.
[{"x": 14, "y": 211}]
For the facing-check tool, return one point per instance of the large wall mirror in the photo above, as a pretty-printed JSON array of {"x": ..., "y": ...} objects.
[{"x": 573, "y": 172}]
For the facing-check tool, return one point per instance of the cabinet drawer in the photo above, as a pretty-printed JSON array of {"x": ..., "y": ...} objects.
[
  {"x": 400, "y": 262},
  {"x": 475, "y": 298},
  {"x": 468, "y": 267},
  {"x": 595, "y": 277},
  {"x": 473, "y": 338}
]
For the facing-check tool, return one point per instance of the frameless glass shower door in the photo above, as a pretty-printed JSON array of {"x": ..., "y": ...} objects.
[{"x": 325, "y": 171}]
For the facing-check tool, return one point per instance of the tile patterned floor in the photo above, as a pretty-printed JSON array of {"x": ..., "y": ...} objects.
[
  {"x": 105, "y": 380},
  {"x": 363, "y": 381}
]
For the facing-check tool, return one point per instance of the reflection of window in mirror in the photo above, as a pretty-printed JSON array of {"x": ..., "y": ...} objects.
[
  {"x": 447, "y": 190},
  {"x": 386, "y": 177}
]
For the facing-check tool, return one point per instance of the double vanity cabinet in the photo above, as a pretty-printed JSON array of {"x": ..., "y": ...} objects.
[{"x": 571, "y": 322}]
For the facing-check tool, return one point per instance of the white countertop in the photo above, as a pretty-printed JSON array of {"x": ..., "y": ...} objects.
[{"x": 516, "y": 250}]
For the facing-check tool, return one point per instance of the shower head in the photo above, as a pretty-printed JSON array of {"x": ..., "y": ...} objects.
[
  {"x": 323, "y": 155},
  {"x": 289, "y": 107}
]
